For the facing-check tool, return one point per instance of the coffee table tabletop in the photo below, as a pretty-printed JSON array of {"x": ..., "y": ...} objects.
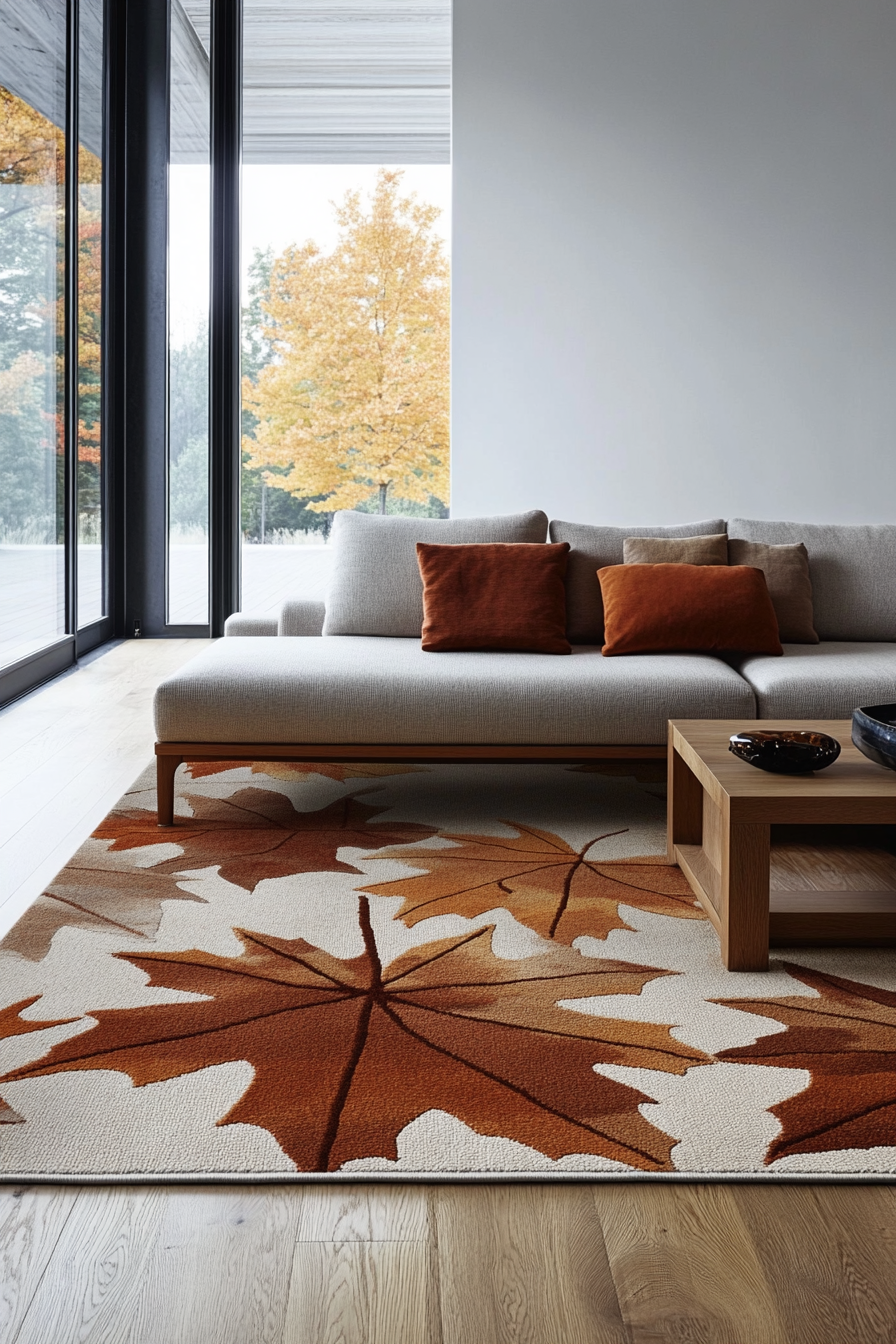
[
  {"x": 721, "y": 813},
  {"x": 757, "y": 795}
]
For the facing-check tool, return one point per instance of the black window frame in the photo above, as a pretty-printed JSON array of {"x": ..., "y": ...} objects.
[
  {"x": 138, "y": 314},
  {"x": 134, "y": 402}
]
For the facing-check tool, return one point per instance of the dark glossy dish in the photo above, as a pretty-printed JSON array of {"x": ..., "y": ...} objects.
[
  {"x": 874, "y": 733},
  {"x": 785, "y": 751}
]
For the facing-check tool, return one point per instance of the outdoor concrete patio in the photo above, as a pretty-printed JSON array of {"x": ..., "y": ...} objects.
[{"x": 32, "y": 588}]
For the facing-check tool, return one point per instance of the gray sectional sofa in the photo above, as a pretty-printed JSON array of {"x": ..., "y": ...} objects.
[{"x": 348, "y": 679}]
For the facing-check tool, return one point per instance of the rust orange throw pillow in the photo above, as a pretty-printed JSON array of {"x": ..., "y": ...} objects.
[
  {"x": 498, "y": 595},
  {"x": 687, "y": 608}
]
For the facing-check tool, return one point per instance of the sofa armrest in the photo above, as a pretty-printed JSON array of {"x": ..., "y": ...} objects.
[
  {"x": 238, "y": 624},
  {"x": 301, "y": 617}
]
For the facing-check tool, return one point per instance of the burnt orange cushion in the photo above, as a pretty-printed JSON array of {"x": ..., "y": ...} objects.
[
  {"x": 687, "y": 608},
  {"x": 498, "y": 595}
]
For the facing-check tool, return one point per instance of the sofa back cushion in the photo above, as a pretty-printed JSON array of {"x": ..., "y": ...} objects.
[
  {"x": 852, "y": 568},
  {"x": 376, "y": 587},
  {"x": 593, "y": 548}
]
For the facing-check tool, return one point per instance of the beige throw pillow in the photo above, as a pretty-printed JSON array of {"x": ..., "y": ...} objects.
[
  {"x": 712, "y": 550},
  {"x": 786, "y": 570}
]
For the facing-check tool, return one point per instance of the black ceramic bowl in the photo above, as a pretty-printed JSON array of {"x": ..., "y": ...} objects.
[
  {"x": 785, "y": 751},
  {"x": 874, "y": 733}
]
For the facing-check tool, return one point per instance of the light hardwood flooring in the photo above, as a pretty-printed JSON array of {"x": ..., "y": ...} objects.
[
  {"x": 68, "y": 751},
  {"x": 367, "y": 1264}
]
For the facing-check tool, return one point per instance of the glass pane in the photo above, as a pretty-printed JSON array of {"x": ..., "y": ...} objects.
[
  {"x": 32, "y": 253},
  {"x": 91, "y": 595},
  {"x": 189, "y": 223},
  {"x": 345, "y": 271}
]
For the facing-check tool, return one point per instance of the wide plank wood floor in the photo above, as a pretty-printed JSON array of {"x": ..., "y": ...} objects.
[{"x": 374, "y": 1264}]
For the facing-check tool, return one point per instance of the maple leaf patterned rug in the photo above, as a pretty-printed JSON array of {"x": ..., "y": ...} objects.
[{"x": 398, "y": 972}]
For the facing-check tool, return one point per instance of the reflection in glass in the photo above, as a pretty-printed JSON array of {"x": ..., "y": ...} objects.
[
  {"x": 188, "y": 306},
  {"x": 91, "y": 596},
  {"x": 32, "y": 253}
]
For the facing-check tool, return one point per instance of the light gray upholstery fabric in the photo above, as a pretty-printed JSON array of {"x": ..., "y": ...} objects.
[
  {"x": 376, "y": 587},
  {"x": 591, "y": 549},
  {"x": 238, "y": 624},
  {"x": 301, "y": 617},
  {"x": 821, "y": 681},
  {"x": 853, "y": 573},
  {"x": 358, "y": 690}
]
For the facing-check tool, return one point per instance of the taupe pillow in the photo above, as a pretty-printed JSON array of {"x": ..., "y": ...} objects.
[
  {"x": 786, "y": 570},
  {"x": 711, "y": 550},
  {"x": 592, "y": 549}
]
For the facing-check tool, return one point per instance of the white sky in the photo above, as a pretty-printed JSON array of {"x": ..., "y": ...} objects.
[{"x": 282, "y": 204}]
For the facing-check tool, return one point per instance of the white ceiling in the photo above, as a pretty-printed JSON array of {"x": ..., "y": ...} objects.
[
  {"x": 324, "y": 81},
  {"x": 343, "y": 81}
]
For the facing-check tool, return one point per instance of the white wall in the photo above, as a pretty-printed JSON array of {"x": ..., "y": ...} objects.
[{"x": 675, "y": 259}]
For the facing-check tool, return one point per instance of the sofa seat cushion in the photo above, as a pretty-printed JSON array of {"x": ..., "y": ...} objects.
[
  {"x": 356, "y": 689},
  {"x": 821, "y": 681}
]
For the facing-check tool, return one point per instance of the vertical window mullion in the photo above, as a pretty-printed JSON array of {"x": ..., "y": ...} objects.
[
  {"x": 70, "y": 325},
  {"x": 224, "y": 420}
]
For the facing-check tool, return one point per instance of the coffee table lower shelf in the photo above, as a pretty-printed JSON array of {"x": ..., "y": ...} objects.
[
  {"x": 801, "y": 918},
  {"x": 726, "y": 826}
]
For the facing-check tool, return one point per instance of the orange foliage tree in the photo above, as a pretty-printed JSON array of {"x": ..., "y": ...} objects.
[
  {"x": 356, "y": 398},
  {"x": 32, "y": 154},
  {"x": 89, "y": 335}
]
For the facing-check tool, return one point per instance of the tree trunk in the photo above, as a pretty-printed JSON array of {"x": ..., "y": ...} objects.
[{"x": 383, "y": 492}]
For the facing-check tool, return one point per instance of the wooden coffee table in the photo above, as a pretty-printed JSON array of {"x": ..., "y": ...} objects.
[{"x": 721, "y": 815}]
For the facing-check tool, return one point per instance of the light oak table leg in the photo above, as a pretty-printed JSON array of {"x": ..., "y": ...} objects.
[
  {"x": 685, "y": 805},
  {"x": 744, "y": 896}
]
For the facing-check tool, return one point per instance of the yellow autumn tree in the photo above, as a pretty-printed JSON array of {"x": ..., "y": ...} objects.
[
  {"x": 356, "y": 398},
  {"x": 29, "y": 144}
]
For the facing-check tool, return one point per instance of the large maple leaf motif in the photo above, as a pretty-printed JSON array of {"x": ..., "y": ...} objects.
[
  {"x": 547, "y": 885},
  {"x": 256, "y": 833},
  {"x": 13, "y": 1024},
  {"x": 846, "y": 1038},
  {"x": 346, "y": 1053},
  {"x": 93, "y": 893}
]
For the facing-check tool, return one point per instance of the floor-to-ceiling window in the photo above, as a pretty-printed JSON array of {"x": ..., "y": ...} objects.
[
  {"x": 119, "y": 227},
  {"x": 51, "y": 266},
  {"x": 345, "y": 239},
  {"x": 32, "y": 349}
]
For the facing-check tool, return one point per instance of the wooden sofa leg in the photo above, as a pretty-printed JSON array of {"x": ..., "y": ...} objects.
[{"x": 166, "y": 769}]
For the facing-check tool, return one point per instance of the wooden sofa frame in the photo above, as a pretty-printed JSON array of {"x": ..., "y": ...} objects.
[{"x": 169, "y": 755}]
